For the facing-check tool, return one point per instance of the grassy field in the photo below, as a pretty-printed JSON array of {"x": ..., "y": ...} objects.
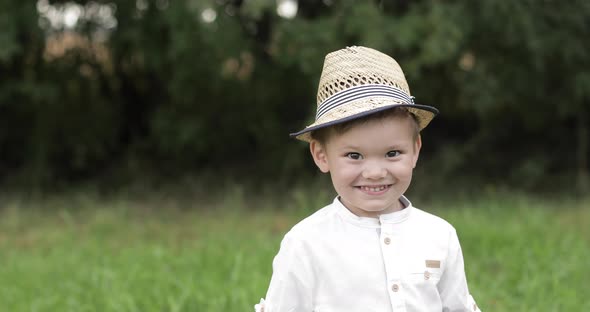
[{"x": 86, "y": 253}]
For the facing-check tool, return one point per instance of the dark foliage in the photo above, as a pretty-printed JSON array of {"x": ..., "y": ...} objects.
[{"x": 170, "y": 88}]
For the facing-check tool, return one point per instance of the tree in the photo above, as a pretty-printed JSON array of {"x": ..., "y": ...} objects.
[{"x": 177, "y": 87}]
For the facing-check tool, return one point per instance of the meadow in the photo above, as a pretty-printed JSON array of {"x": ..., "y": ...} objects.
[{"x": 86, "y": 252}]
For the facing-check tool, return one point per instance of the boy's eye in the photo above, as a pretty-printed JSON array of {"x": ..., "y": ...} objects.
[
  {"x": 393, "y": 153},
  {"x": 354, "y": 156}
]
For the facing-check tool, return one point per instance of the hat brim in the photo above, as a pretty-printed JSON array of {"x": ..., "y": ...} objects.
[{"x": 416, "y": 109}]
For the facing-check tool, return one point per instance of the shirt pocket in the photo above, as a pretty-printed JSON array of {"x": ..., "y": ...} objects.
[{"x": 422, "y": 282}]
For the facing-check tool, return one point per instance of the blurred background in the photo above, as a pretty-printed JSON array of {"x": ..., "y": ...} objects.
[
  {"x": 158, "y": 130},
  {"x": 115, "y": 91}
]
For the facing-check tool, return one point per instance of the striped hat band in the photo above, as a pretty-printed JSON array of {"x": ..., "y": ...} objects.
[{"x": 361, "y": 92}]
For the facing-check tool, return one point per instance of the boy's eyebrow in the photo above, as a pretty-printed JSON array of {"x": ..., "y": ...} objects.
[
  {"x": 350, "y": 146},
  {"x": 397, "y": 145},
  {"x": 388, "y": 146}
]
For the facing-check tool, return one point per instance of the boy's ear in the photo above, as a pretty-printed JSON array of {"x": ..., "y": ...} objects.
[
  {"x": 318, "y": 152},
  {"x": 417, "y": 147}
]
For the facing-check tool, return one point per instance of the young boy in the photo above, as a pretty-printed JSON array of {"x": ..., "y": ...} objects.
[{"x": 370, "y": 250}]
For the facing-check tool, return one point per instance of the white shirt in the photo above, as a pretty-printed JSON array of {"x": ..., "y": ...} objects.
[{"x": 333, "y": 260}]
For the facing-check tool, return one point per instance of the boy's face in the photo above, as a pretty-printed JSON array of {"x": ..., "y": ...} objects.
[{"x": 371, "y": 164}]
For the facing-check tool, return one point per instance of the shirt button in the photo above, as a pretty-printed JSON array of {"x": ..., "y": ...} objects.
[
  {"x": 395, "y": 287},
  {"x": 426, "y": 275},
  {"x": 387, "y": 241}
]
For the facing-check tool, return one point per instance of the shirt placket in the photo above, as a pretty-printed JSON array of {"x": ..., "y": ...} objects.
[{"x": 391, "y": 252}]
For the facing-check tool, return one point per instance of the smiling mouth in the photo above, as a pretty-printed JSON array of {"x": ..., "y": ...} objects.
[{"x": 374, "y": 189}]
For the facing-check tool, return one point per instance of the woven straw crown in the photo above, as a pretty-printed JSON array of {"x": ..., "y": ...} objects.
[{"x": 359, "y": 81}]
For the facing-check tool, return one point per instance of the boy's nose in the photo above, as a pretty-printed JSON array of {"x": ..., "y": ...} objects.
[{"x": 374, "y": 171}]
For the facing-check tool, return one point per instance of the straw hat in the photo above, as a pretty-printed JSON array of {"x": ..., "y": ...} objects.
[{"x": 359, "y": 81}]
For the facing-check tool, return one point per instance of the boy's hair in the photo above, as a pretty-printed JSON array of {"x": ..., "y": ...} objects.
[{"x": 323, "y": 134}]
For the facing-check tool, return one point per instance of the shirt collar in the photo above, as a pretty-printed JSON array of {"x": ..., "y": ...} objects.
[{"x": 387, "y": 218}]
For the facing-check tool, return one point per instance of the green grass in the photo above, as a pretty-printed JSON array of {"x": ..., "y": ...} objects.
[{"x": 84, "y": 253}]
